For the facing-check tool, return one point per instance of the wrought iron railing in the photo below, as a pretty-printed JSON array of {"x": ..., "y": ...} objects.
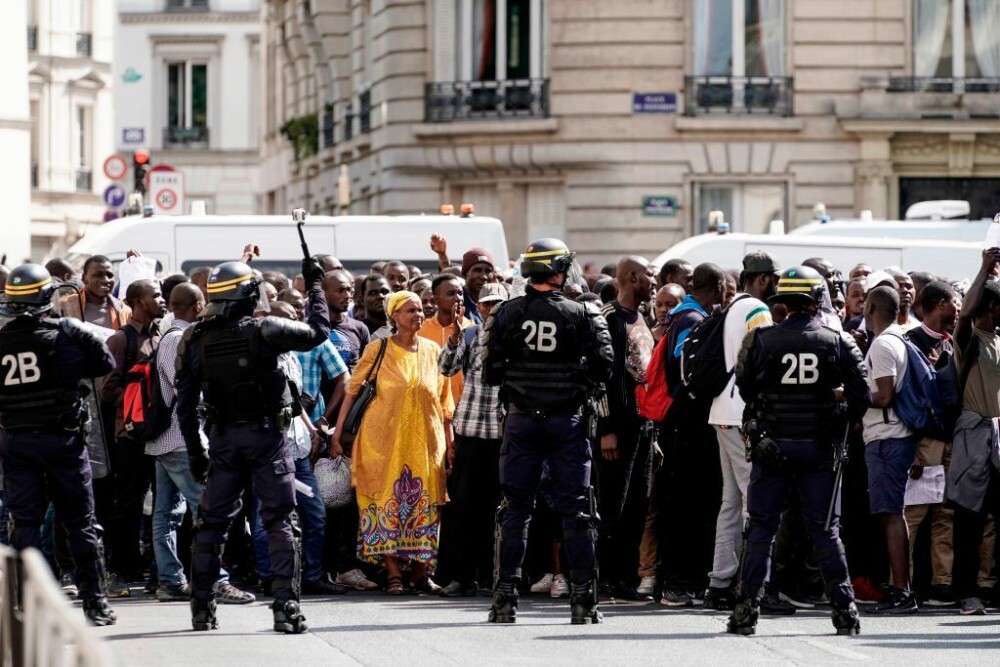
[
  {"x": 738, "y": 95},
  {"x": 84, "y": 180},
  {"x": 84, "y": 44},
  {"x": 365, "y": 114},
  {"x": 484, "y": 100},
  {"x": 32, "y": 38},
  {"x": 349, "y": 123},
  {"x": 183, "y": 136},
  {"x": 328, "y": 127},
  {"x": 34, "y": 175},
  {"x": 929, "y": 84}
]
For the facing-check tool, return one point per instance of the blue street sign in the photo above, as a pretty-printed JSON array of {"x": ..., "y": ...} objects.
[
  {"x": 114, "y": 195},
  {"x": 654, "y": 102}
]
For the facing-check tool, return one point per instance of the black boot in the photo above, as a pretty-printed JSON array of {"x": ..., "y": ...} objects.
[
  {"x": 846, "y": 620},
  {"x": 288, "y": 617},
  {"x": 583, "y": 605},
  {"x": 203, "y": 615},
  {"x": 743, "y": 620},
  {"x": 98, "y": 611},
  {"x": 504, "y": 609}
]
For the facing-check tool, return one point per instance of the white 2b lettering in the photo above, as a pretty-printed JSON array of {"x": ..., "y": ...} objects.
[
  {"x": 807, "y": 365},
  {"x": 23, "y": 368},
  {"x": 541, "y": 336}
]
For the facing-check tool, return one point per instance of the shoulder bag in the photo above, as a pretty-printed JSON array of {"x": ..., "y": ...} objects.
[{"x": 365, "y": 395}]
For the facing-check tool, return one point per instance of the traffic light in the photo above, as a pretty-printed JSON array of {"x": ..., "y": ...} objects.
[{"x": 140, "y": 165}]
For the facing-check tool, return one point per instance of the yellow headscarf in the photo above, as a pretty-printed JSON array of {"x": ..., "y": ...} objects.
[{"x": 397, "y": 299}]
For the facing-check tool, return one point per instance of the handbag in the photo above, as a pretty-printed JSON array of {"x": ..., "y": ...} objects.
[
  {"x": 365, "y": 395},
  {"x": 334, "y": 480}
]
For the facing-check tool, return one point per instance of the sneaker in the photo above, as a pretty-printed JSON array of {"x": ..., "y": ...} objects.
[
  {"x": 356, "y": 579},
  {"x": 559, "y": 587},
  {"x": 323, "y": 586},
  {"x": 675, "y": 597},
  {"x": 971, "y": 607},
  {"x": 117, "y": 587},
  {"x": 456, "y": 589},
  {"x": 173, "y": 593},
  {"x": 625, "y": 592},
  {"x": 719, "y": 599},
  {"x": 68, "y": 583},
  {"x": 896, "y": 601},
  {"x": 797, "y": 600},
  {"x": 543, "y": 585},
  {"x": 229, "y": 594},
  {"x": 866, "y": 592},
  {"x": 773, "y": 604},
  {"x": 940, "y": 595},
  {"x": 646, "y": 586}
]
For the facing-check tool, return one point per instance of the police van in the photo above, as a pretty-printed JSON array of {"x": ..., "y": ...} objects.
[{"x": 180, "y": 243}]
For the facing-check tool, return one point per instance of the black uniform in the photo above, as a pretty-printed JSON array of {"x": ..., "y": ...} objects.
[
  {"x": 42, "y": 362},
  {"x": 232, "y": 361},
  {"x": 547, "y": 353},
  {"x": 787, "y": 375}
]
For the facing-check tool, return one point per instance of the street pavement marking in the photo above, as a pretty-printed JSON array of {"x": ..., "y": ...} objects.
[{"x": 837, "y": 649}]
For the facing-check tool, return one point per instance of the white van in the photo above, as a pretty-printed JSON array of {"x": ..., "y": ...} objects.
[
  {"x": 182, "y": 242},
  {"x": 946, "y": 230},
  {"x": 955, "y": 260}
]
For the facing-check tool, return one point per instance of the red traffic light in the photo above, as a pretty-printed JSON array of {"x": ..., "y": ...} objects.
[{"x": 140, "y": 157}]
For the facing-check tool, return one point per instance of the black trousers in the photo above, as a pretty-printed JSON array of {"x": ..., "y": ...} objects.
[
  {"x": 968, "y": 535},
  {"x": 132, "y": 471},
  {"x": 475, "y": 501},
  {"x": 622, "y": 501}
]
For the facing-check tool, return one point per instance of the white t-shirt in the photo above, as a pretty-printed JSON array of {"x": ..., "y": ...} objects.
[
  {"x": 886, "y": 357},
  {"x": 746, "y": 314}
]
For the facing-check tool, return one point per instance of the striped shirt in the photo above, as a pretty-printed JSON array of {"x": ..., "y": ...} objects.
[{"x": 166, "y": 356}]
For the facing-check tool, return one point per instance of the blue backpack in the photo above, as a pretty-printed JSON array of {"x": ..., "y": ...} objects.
[{"x": 918, "y": 403}]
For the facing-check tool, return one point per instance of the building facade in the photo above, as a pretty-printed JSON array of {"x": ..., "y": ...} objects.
[
  {"x": 186, "y": 89},
  {"x": 620, "y": 125},
  {"x": 69, "y": 46},
  {"x": 15, "y": 138}
]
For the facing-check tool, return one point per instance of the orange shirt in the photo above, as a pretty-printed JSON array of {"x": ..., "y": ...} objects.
[{"x": 433, "y": 331}]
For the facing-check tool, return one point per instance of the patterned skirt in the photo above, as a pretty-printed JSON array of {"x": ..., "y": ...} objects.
[{"x": 403, "y": 523}]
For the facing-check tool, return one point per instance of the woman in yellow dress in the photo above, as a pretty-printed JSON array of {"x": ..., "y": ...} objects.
[{"x": 398, "y": 469}]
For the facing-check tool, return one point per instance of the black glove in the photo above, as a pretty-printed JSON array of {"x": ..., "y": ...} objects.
[
  {"x": 198, "y": 463},
  {"x": 312, "y": 273}
]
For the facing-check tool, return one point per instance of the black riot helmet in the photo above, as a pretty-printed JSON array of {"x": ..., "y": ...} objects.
[
  {"x": 546, "y": 258},
  {"x": 28, "y": 291},
  {"x": 232, "y": 281},
  {"x": 799, "y": 286}
]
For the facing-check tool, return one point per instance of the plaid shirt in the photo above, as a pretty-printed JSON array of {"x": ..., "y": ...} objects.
[
  {"x": 171, "y": 439},
  {"x": 478, "y": 412},
  {"x": 317, "y": 362}
]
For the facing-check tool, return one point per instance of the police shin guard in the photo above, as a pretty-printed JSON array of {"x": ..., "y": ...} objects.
[
  {"x": 583, "y": 604},
  {"x": 743, "y": 620},
  {"x": 203, "y": 615},
  {"x": 504, "y": 609},
  {"x": 288, "y": 617},
  {"x": 845, "y": 619},
  {"x": 98, "y": 611}
]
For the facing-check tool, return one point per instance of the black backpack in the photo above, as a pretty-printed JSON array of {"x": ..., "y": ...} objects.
[
  {"x": 703, "y": 357},
  {"x": 145, "y": 412}
]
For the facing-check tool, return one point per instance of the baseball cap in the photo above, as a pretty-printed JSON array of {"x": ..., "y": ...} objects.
[
  {"x": 875, "y": 279},
  {"x": 759, "y": 261},
  {"x": 475, "y": 256},
  {"x": 493, "y": 292}
]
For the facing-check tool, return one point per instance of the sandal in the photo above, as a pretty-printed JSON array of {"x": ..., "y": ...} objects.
[
  {"x": 427, "y": 586},
  {"x": 395, "y": 586}
]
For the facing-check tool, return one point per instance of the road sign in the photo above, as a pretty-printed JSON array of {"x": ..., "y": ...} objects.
[
  {"x": 654, "y": 103},
  {"x": 116, "y": 167},
  {"x": 166, "y": 192},
  {"x": 133, "y": 135},
  {"x": 114, "y": 195},
  {"x": 659, "y": 205}
]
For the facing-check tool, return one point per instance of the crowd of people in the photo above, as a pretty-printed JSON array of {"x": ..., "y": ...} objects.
[{"x": 916, "y": 507}]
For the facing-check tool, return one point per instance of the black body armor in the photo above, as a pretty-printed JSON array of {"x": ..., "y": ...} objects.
[{"x": 33, "y": 394}]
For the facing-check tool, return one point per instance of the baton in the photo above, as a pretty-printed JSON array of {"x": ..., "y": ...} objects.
[
  {"x": 299, "y": 216},
  {"x": 841, "y": 460}
]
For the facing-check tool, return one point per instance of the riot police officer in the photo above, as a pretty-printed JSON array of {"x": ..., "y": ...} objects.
[
  {"x": 231, "y": 360},
  {"x": 42, "y": 362},
  {"x": 547, "y": 353},
  {"x": 800, "y": 381}
]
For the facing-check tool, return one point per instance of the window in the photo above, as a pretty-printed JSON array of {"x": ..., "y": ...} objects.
[
  {"x": 956, "y": 38},
  {"x": 187, "y": 102},
  {"x": 84, "y": 40},
  {"x": 739, "y": 38},
  {"x": 747, "y": 207},
  {"x": 186, "y": 4},
  {"x": 499, "y": 40},
  {"x": 36, "y": 150},
  {"x": 82, "y": 147}
]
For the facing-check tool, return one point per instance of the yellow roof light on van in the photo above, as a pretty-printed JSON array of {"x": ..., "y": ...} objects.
[
  {"x": 447, "y": 209},
  {"x": 468, "y": 210}
]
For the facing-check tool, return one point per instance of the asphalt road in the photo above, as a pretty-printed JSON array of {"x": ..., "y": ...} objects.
[{"x": 371, "y": 629}]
